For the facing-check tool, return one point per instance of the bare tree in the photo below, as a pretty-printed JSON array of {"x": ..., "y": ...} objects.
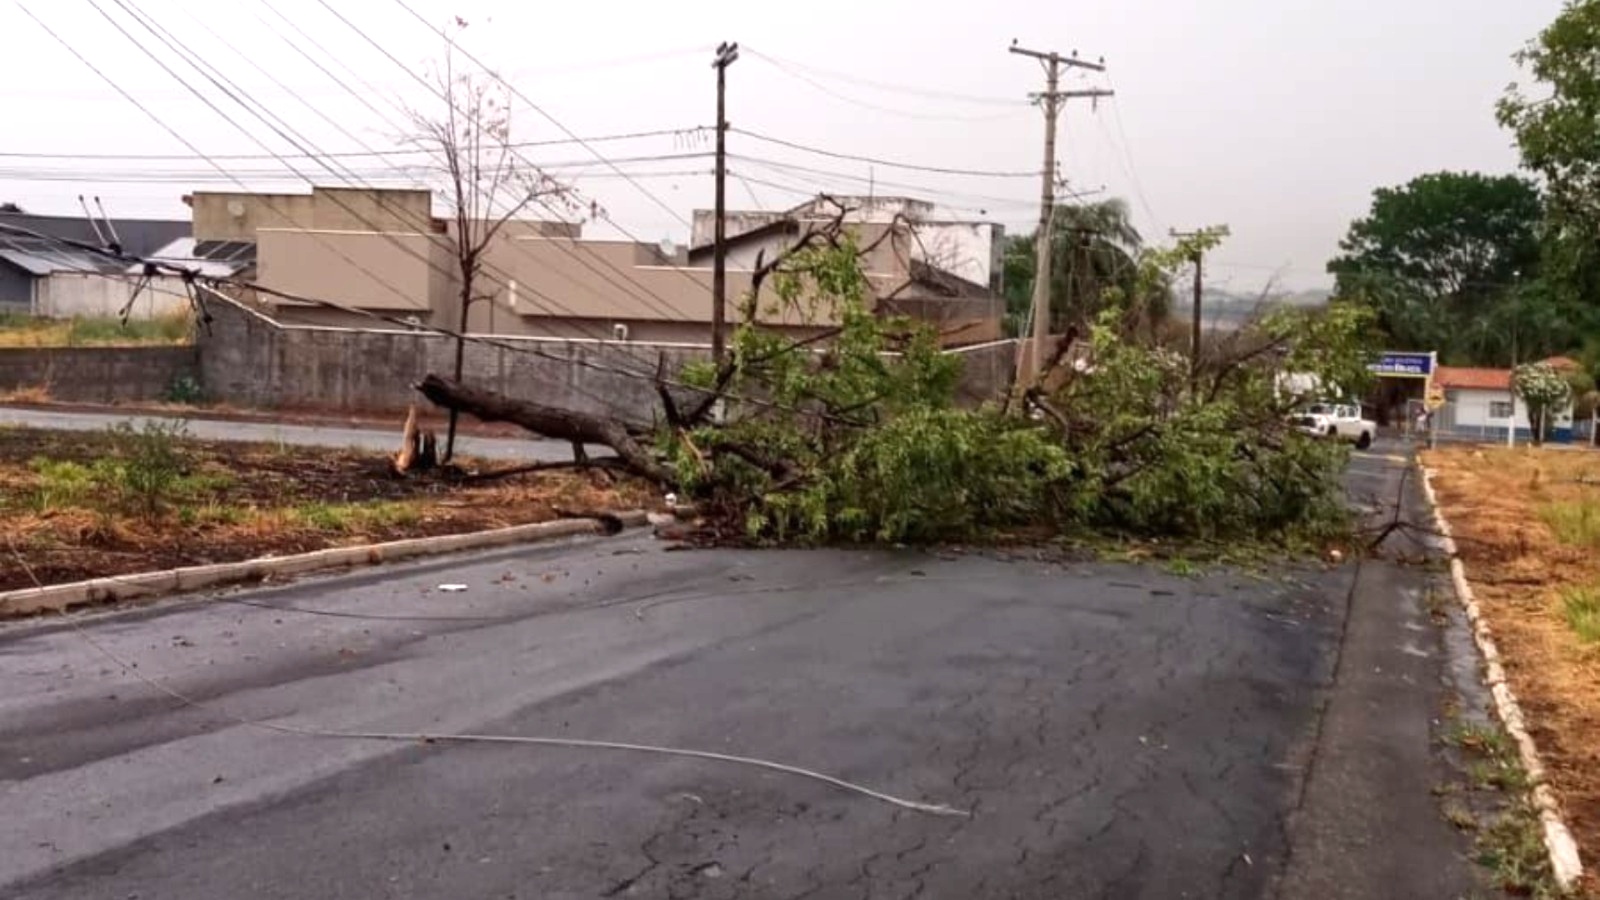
[{"x": 487, "y": 183}]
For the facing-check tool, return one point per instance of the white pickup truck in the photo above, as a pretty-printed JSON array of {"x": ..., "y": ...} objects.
[{"x": 1339, "y": 421}]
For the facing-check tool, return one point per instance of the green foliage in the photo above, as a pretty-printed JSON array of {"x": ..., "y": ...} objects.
[
  {"x": 30, "y": 331},
  {"x": 146, "y": 471},
  {"x": 352, "y": 518},
  {"x": 1095, "y": 249},
  {"x": 1449, "y": 262},
  {"x": 866, "y": 444},
  {"x": 186, "y": 390},
  {"x": 1574, "y": 524},
  {"x": 1557, "y": 130},
  {"x": 1221, "y": 462},
  {"x": 149, "y": 465},
  {"x": 61, "y": 484},
  {"x": 1544, "y": 391},
  {"x": 1582, "y": 608}
]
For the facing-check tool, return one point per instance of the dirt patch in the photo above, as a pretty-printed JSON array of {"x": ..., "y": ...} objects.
[
  {"x": 1522, "y": 523},
  {"x": 60, "y": 507}
]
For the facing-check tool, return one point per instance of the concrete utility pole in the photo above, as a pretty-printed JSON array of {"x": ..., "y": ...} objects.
[
  {"x": 1199, "y": 292},
  {"x": 726, "y": 55},
  {"x": 1051, "y": 100}
]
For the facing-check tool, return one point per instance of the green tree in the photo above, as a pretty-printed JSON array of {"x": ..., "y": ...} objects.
[
  {"x": 1448, "y": 261},
  {"x": 1558, "y": 132},
  {"x": 1095, "y": 247},
  {"x": 1545, "y": 392}
]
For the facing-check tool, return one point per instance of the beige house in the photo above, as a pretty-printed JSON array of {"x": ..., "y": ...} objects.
[{"x": 384, "y": 252}]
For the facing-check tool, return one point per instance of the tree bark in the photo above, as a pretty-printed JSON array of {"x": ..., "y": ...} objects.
[{"x": 548, "y": 421}]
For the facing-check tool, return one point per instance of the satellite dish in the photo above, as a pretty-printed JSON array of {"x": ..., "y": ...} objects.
[
  {"x": 668, "y": 249},
  {"x": 236, "y": 209}
]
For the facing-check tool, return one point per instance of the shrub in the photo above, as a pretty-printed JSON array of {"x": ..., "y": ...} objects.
[{"x": 149, "y": 467}]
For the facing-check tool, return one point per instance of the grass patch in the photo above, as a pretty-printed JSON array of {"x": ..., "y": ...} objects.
[
  {"x": 1582, "y": 608},
  {"x": 28, "y": 331},
  {"x": 351, "y": 518},
  {"x": 1511, "y": 843},
  {"x": 1576, "y": 524},
  {"x": 146, "y": 471},
  {"x": 1512, "y": 846}
]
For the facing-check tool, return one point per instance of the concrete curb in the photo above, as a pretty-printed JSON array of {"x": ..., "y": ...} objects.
[
  {"x": 146, "y": 585},
  {"x": 1564, "y": 859}
]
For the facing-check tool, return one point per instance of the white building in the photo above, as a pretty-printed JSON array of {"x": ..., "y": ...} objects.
[
  {"x": 1480, "y": 403},
  {"x": 970, "y": 250}
]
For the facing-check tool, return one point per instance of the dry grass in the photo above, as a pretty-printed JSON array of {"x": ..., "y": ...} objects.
[
  {"x": 27, "y": 331},
  {"x": 1528, "y": 526},
  {"x": 36, "y": 394},
  {"x": 238, "y": 501}
]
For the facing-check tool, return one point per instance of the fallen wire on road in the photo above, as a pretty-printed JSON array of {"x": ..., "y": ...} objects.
[{"x": 938, "y": 809}]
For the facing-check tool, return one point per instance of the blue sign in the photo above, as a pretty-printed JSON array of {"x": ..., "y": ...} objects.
[{"x": 1403, "y": 365}]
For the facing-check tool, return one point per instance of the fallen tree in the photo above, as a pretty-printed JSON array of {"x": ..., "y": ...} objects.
[{"x": 853, "y": 434}]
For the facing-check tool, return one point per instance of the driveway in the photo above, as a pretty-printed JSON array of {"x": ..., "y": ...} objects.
[
  {"x": 385, "y": 441},
  {"x": 1111, "y": 731}
]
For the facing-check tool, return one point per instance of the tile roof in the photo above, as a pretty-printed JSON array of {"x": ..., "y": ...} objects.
[{"x": 1473, "y": 379}]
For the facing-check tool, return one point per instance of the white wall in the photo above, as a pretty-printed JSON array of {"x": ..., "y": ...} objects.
[
  {"x": 1471, "y": 410},
  {"x": 66, "y": 295}
]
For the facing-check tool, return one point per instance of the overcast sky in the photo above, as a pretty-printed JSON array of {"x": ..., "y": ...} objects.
[{"x": 1276, "y": 118}]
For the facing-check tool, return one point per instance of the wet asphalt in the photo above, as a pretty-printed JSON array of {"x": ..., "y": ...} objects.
[{"x": 1113, "y": 731}]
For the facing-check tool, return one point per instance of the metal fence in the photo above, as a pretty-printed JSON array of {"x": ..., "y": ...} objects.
[{"x": 1445, "y": 425}]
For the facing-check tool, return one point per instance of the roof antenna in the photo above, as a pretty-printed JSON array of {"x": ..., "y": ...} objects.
[
  {"x": 98, "y": 234},
  {"x": 116, "y": 239}
]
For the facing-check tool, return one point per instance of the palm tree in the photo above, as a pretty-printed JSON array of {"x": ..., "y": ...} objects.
[{"x": 1095, "y": 247}]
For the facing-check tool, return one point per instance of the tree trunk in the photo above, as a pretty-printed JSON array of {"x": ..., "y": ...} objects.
[{"x": 548, "y": 421}]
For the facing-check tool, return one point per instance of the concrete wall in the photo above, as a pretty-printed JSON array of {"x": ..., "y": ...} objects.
[
  {"x": 392, "y": 272},
  {"x": 246, "y": 359},
  {"x": 98, "y": 374},
  {"x": 237, "y": 216},
  {"x": 66, "y": 295}
]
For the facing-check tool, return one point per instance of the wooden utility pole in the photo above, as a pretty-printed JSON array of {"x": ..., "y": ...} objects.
[
  {"x": 1199, "y": 258},
  {"x": 726, "y": 55},
  {"x": 1051, "y": 100}
]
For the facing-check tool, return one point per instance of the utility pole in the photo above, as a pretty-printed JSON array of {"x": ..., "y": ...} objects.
[
  {"x": 1218, "y": 231},
  {"x": 1051, "y": 100},
  {"x": 726, "y": 55}
]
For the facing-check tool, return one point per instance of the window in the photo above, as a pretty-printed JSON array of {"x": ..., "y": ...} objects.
[{"x": 1500, "y": 409}]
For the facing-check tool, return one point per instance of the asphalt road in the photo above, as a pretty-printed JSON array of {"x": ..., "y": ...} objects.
[
  {"x": 530, "y": 450},
  {"x": 1114, "y": 731}
]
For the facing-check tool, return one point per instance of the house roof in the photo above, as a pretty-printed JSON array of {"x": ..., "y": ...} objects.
[
  {"x": 139, "y": 237},
  {"x": 1461, "y": 378},
  {"x": 1563, "y": 364},
  {"x": 776, "y": 226},
  {"x": 40, "y": 256},
  {"x": 219, "y": 259}
]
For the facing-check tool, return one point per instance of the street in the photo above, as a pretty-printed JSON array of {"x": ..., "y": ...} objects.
[
  {"x": 531, "y": 450},
  {"x": 1112, "y": 730}
]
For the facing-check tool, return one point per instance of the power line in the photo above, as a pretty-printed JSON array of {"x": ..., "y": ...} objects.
[
  {"x": 687, "y": 133},
  {"x": 523, "y": 97},
  {"x": 205, "y": 281},
  {"x": 448, "y": 100},
  {"x": 802, "y": 76},
  {"x": 659, "y": 304},
  {"x": 1125, "y": 155},
  {"x": 888, "y": 86},
  {"x": 371, "y": 274},
  {"x": 183, "y": 178},
  {"x": 648, "y": 298},
  {"x": 874, "y": 181},
  {"x": 879, "y": 161}
]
